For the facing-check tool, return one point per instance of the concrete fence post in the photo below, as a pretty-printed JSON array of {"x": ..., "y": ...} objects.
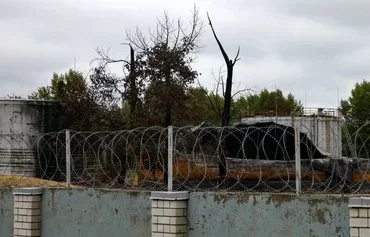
[
  {"x": 27, "y": 212},
  {"x": 169, "y": 214},
  {"x": 359, "y": 216}
]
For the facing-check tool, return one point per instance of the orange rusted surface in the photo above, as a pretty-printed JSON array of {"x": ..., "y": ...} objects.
[
  {"x": 360, "y": 177},
  {"x": 274, "y": 175},
  {"x": 184, "y": 170}
]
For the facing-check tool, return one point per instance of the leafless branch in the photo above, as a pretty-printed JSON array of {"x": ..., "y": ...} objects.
[
  {"x": 170, "y": 32},
  {"x": 240, "y": 92},
  {"x": 104, "y": 59},
  {"x": 237, "y": 56},
  {"x": 224, "y": 54},
  {"x": 215, "y": 106}
]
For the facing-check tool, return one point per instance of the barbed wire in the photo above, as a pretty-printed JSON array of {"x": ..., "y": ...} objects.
[
  {"x": 250, "y": 157},
  {"x": 16, "y": 155}
]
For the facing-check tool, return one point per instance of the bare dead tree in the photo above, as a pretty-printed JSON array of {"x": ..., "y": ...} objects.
[
  {"x": 104, "y": 58},
  {"x": 230, "y": 67},
  {"x": 225, "y": 120},
  {"x": 127, "y": 86},
  {"x": 216, "y": 97},
  {"x": 170, "y": 32}
]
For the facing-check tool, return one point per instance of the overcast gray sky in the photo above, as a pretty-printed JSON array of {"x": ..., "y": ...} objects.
[{"x": 312, "y": 49}]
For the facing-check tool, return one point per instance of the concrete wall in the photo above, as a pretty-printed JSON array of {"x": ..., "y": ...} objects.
[
  {"x": 6, "y": 213},
  {"x": 269, "y": 215},
  {"x": 97, "y": 213}
]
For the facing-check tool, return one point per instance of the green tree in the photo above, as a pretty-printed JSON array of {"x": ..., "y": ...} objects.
[
  {"x": 198, "y": 106},
  {"x": 169, "y": 73},
  {"x": 357, "y": 107},
  {"x": 356, "y": 111},
  {"x": 42, "y": 93},
  {"x": 14, "y": 96},
  {"x": 78, "y": 105},
  {"x": 165, "y": 61},
  {"x": 159, "y": 73},
  {"x": 209, "y": 105},
  {"x": 266, "y": 103}
]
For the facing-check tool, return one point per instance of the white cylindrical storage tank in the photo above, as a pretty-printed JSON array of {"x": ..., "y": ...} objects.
[{"x": 21, "y": 123}]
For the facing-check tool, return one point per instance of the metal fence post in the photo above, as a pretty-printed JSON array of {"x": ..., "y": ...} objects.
[
  {"x": 68, "y": 157},
  {"x": 170, "y": 158},
  {"x": 297, "y": 145}
]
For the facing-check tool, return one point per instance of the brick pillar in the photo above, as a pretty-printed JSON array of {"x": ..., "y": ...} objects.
[
  {"x": 359, "y": 217},
  {"x": 27, "y": 212},
  {"x": 169, "y": 211}
]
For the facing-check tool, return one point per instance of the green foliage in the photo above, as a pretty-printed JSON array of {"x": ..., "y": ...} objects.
[
  {"x": 14, "y": 96},
  {"x": 198, "y": 107},
  {"x": 153, "y": 88},
  {"x": 79, "y": 108},
  {"x": 356, "y": 111},
  {"x": 357, "y": 107},
  {"x": 266, "y": 103},
  {"x": 70, "y": 85},
  {"x": 42, "y": 93},
  {"x": 168, "y": 73},
  {"x": 162, "y": 64},
  {"x": 203, "y": 105}
]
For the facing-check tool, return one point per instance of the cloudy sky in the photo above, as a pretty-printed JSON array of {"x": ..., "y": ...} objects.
[{"x": 315, "y": 49}]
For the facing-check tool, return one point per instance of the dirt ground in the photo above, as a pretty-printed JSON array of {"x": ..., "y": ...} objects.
[{"x": 7, "y": 181}]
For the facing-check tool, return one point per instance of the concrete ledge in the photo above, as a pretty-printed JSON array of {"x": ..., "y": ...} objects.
[
  {"x": 28, "y": 191},
  {"x": 359, "y": 202},
  {"x": 181, "y": 195}
]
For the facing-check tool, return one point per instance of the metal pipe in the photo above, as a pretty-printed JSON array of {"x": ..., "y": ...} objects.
[
  {"x": 297, "y": 145},
  {"x": 68, "y": 157}
]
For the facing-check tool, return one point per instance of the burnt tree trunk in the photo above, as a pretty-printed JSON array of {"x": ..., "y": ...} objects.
[
  {"x": 133, "y": 91},
  {"x": 225, "y": 117},
  {"x": 227, "y": 104}
]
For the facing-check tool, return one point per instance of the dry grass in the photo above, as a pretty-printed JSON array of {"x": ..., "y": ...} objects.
[{"x": 20, "y": 182}]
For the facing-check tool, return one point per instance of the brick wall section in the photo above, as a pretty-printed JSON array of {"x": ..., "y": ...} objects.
[
  {"x": 359, "y": 214},
  {"x": 169, "y": 214},
  {"x": 27, "y": 212}
]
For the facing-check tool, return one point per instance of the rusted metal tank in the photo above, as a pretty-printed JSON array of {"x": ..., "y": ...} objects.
[{"x": 21, "y": 123}]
